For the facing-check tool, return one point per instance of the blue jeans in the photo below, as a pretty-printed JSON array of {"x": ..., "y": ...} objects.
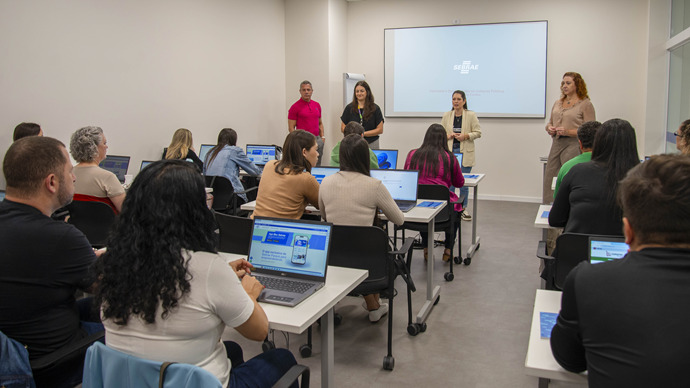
[
  {"x": 464, "y": 190},
  {"x": 261, "y": 371}
]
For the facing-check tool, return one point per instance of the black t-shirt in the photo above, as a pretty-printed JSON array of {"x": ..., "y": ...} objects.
[
  {"x": 191, "y": 155},
  {"x": 43, "y": 262},
  {"x": 457, "y": 128},
  {"x": 371, "y": 123}
]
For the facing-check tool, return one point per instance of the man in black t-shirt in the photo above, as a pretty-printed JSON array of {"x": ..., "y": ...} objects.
[{"x": 43, "y": 261}]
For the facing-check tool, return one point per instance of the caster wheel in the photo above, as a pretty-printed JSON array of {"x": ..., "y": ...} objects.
[
  {"x": 388, "y": 363},
  {"x": 412, "y": 329},
  {"x": 449, "y": 276},
  {"x": 437, "y": 299},
  {"x": 337, "y": 319},
  {"x": 422, "y": 327},
  {"x": 305, "y": 351},
  {"x": 468, "y": 261},
  {"x": 267, "y": 345},
  {"x": 457, "y": 260}
]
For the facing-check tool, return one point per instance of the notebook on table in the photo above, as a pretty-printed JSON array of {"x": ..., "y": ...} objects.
[
  {"x": 602, "y": 249},
  {"x": 321, "y": 172},
  {"x": 401, "y": 184},
  {"x": 290, "y": 258},
  {"x": 387, "y": 159},
  {"x": 261, "y": 154},
  {"x": 203, "y": 151},
  {"x": 118, "y": 165}
]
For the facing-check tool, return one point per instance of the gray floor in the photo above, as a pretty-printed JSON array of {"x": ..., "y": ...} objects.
[{"x": 477, "y": 334}]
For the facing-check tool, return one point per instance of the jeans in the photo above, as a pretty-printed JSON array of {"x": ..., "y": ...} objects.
[
  {"x": 450, "y": 234},
  {"x": 464, "y": 190},
  {"x": 319, "y": 147},
  {"x": 261, "y": 371}
]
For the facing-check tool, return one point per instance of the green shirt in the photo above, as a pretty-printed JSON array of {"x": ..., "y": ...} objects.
[
  {"x": 335, "y": 158},
  {"x": 582, "y": 158}
]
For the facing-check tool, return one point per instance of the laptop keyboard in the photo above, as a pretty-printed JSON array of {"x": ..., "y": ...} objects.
[{"x": 288, "y": 285}]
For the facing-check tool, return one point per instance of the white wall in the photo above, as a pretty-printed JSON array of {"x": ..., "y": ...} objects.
[
  {"x": 605, "y": 41},
  {"x": 141, "y": 69}
]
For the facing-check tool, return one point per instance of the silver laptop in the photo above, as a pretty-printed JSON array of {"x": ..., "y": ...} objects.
[
  {"x": 290, "y": 258},
  {"x": 261, "y": 154},
  {"x": 203, "y": 151},
  {"x": 602, "y": 249},
  {"x": 401, "y": 184},
  {"x": 321, "y": 172}
]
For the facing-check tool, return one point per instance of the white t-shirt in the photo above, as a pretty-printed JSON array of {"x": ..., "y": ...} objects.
[{"x": 191, "y": 333}]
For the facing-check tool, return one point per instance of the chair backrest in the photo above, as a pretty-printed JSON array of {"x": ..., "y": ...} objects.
[
  {"x": 105, "y": 367},
  {"x": 571, "y": 249},
  {"x": 362, "y": 247},
  {"x": 222, "y": 192},
  {"x": 15, "y": 370},
  {"x": 92, "y": 218},
  {"x": 235, "y": 233},
  {"x": 439, "y": 193}
]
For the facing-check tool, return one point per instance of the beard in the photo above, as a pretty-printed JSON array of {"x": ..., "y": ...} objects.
[{"x": 64, "y": 195}]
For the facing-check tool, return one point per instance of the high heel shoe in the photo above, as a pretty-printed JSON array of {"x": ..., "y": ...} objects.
[{"x": 426, "y": 255}]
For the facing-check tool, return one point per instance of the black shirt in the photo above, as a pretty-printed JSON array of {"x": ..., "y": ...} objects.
[{"x": 371, "y": 123}]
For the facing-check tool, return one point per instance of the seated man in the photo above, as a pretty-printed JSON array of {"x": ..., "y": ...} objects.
[
  {"x": 358, "y": 129},
  {"x": 625, "y": 321},
  {"x": 585, "y": 136},
  {"x": 43, "y": 262}
]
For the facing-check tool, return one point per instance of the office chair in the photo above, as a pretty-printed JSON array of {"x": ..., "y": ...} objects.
[
  {"x": 224, "y": 195},
  {"x": 571, "y": 249},
  {"x": 235, "y": 233},
  {"x": 443, "y": 221},
  {"x": 93, "y": 218}
]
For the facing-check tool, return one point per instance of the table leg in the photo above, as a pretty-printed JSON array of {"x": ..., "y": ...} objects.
[
  {"x": 432, "y": 293},
  {"x": 544, "y": 382},
  {"x": 475, "y": 239},
  {"x": 327, "y": 349}
]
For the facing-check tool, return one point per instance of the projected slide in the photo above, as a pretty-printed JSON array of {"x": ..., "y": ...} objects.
[{"x": 501, "y": 67}]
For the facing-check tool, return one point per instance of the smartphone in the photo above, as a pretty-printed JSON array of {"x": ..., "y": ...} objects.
[{"x": 299, "y": 250}]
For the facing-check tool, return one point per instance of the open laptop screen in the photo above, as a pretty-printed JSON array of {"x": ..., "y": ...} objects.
[
  {"x": 261, "y": 154},
  {"x": 387, "y": 159},
  {"x": 603, "y": 249},
  {"x": 2, "y": 195},
  {"x": 458, "y": 156},
  {"x": 117, "y": 165},
  {"x": 321, "y": 172},
  {"x": 401, "y": 184},
  {"x": 292, "y": 246},
  {"x": 145, "y": 163},
  {"x": 204, "y": 150}
]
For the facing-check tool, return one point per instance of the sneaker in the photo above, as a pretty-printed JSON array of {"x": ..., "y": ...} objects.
[
  {"x": 375, "y": 315},
  {"x": 465, "y": 216}
]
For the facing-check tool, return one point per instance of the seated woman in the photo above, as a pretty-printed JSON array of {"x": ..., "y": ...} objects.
[
  {"x": 437, "y": 166},
  {"x": 352, "y": 197},
  {"x": 165, "y": 293},
  {"x": 586, "y": 200},
  {"x": 182, "y": 147},
  {"x": 226, "y": 158},
  {"x": 89, "y": 147},
  {"x": 286, "y": 185}
]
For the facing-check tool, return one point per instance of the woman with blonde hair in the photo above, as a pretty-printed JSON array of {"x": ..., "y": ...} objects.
[{"x": 182, "y": 147}]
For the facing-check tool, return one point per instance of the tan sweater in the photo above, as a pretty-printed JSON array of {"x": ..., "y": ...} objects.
[
  {"x": 351, "y": 198},
  {"x": 285, "y": 196}
]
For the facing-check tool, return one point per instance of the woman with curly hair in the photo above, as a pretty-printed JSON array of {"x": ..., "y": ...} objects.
[
  {"x": 89, "y": 147},
  {"x": 363, "y": 110},
  {"x": 165, "y": 293},
  {"x": 182, "y": 147},
  {"x": 683, "y": 137},
  {"x": 567, "y": 114}
]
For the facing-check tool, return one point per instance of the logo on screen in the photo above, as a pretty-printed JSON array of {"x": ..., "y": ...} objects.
[{"x": 465, "y": 67}]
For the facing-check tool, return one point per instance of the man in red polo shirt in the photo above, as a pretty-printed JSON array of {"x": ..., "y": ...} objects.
[{"x": 306, "y": 114}]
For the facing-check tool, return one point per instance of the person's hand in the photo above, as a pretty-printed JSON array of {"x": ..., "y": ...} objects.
[
  {"x": 241, "y": 267},
  {"x": 551, "y": 131},
  {"x": 560, "y": 131},
  {"x": 99, "y": 252},
  {"x": 252, "y": 286},
  {"x": 458, "y": 136}
]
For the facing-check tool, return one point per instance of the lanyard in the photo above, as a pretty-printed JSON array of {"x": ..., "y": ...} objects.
[{"x": 361, "y": 120}]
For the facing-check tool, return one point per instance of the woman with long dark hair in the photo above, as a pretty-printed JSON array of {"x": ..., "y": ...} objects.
[
  {"x": 586, "y": 200},
  {"x": 286, "y": 185},
  {"x": 226, "y": 158},
  {"x": 437, "y": 166},
  {"x": 363, "y": 110},
  {"x": 352, "y": 197},
  {"x": 166, "y": 295}
]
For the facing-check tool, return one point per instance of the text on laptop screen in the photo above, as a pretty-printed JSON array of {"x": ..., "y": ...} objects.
[
  {"x": 117, "y": 165},
  {"x": 387, "y": 159},
  {"x": 401, "y": 184},
  {"x": 261, "y": 154},
  {"x": 321, "y": 172},
  {"x": 458, "y": 156},
  {"x": 601, "y": 251},
  {"x": 203, "y": 151},
  {"x": 290, "y": 246}
]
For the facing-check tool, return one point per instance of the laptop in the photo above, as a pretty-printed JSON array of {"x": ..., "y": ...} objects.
[
  {"x": 321, "y": 172},
  {"x": 602, "y": 249},
  {"x": 261, "y": 154},
  {"x": 388, "y": 159},
  {"x": 117, "y": 165},
  {"x": 458, "y": 156},
  {"x": 401, "y": 184},
  {"x": 290, "y": 258},
  {"x": 2, "y": 195},
  {"x": 145, "y": 163},
  {"x": 203, "y": 151}
]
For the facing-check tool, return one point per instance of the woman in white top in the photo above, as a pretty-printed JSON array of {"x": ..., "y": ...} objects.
[{"x": 352, "y": 197}]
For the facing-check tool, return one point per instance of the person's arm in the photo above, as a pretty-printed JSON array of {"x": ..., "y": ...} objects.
[
  {"x": 322, "y": 208},
  {"x": 549, "y": 126},
  {"x": 291, "y": 125},
  {"x": 566, "y": 339},
  {"x": 197, "y": 162},
  {"x": 321, "y": 129},
  {"x": 345, "y": 118},
  {"x": 475, "y": 130},
  {"x": 379, "y": 124},
  {"x": 117, "y": 201},
  {"x": 386, "y": 203},
  {"x": 246, "y": 164},
  {"x": 588, "y": 113},
  {"x": 311, "y": 190},
  {"x": 560, "y": 211},
  {"x": 256, "y": 327}
]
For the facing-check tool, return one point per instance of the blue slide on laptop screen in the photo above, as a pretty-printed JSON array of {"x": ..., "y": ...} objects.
[
  {"x": 203, "y": 151},
  {"x": 117, "y": 165},
  {"x": 602, "y": 249},
  {"x": 387, "y": 159},
  {"x": 261, "y": 154},
  {"x": 401, "y": 184},
  {"x": 321, "y": 172},
  {"x": 458, "y": 156}
]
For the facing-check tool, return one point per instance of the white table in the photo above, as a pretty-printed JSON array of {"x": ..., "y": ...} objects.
[
  {"x": 250, "y": 206},
  {"x": 339, "y": 282},
  {"x": 542, "y": 222},
  {"x": 474, "y": 183},
  {"x": 540, "y": 361}
]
